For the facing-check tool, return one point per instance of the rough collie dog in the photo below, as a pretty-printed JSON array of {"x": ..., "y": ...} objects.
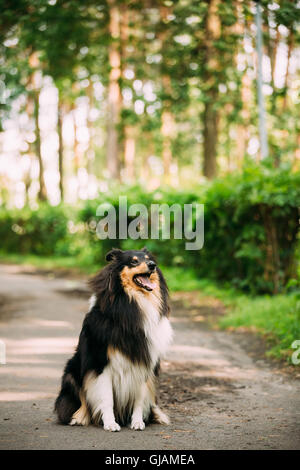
[{"x": 112, "y": 376}]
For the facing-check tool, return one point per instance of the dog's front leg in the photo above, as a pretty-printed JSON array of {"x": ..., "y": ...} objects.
[
  {"x": 99, "y": 395},
  {"x": 137, "y": 422}
]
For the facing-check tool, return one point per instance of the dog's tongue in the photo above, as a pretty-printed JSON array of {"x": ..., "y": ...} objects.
[{"x": 146, "y": 281}]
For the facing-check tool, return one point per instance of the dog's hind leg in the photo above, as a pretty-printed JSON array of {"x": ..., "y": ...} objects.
[{"x": 82, "y": 416}]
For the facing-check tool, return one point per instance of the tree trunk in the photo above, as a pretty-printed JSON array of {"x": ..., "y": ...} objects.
[
  {"x": 42, "y": 194},
  {"x": 286, "y": 77},
  {"x": 272, "y": 46},
  {"x": 297, "y": 154},
  {"x": 90, "y": 154},
  {"x": 211, "y": 119},
  {"x": 272, "y": 263},
  {"x": 76, "y": 153},
  {"x": 167, "y": 129},
  {"x": 128, "y": 130},
  {"x": 31, "y": 149},
  {"x": 27, "y": 177},
  {"x": 167, "y": 119},
  {"x": 211, "y": 115},
  {"x": 60, "y": 149},
  {"x": 129, "y": 152},
  {"x": 242, "y": 129},
  {"x": 114, "y": 93}
]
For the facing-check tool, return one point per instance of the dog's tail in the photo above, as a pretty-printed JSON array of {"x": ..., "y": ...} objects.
[
  {"x": 158, "y": 416},
  {"x": 68, "y": 400}
]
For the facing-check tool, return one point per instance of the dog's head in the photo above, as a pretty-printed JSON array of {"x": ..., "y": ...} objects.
[
  {"x": 137, "y": 269},
  {"x": 133, "y": 272}
]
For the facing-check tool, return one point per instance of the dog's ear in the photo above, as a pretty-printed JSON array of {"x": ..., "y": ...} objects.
[
  {"x": 113, "y": 254},
  {"x": 151, "y": 256}
]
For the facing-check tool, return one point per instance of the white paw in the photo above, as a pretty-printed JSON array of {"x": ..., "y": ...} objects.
[
  {"x": 138, "y": 425},
  {"x": 112, "y": 427}
]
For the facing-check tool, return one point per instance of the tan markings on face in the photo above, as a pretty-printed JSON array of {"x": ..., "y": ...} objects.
[
  {"x": 146, "y": 256},
  {"x": 128, "y": 273},
  {"x": 135, "y": 258},
  {"x": 155, "y": 277}
]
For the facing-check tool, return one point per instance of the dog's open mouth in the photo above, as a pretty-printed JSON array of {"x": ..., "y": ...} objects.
[{"x": 143, "y": 280}]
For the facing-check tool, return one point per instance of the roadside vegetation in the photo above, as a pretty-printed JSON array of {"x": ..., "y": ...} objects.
[
  {"x": 249, "y": 259},
  {"x": 274, "y": 317}
]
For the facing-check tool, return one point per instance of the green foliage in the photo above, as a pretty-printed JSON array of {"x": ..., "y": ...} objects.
[
  {"x": 170, "y": 252},
  {"x": 278, "y": 318},
  {"x": 169, "y": 47},
  {"x": 251, "y": 226},
  {"x": 251, "y": 220},
  {"x": 34, "y": 231}
]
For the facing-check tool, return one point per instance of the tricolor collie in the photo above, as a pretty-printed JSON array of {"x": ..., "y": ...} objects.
[{"x": 112, "y": 376}]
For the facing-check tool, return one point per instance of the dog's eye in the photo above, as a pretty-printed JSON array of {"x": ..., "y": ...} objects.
[{"x": 134, "y": 262}]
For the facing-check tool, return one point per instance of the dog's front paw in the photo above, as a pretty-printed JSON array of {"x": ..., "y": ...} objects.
[
  {"x": 138, "y": 425},
  {"x": 113, "y": 427}
]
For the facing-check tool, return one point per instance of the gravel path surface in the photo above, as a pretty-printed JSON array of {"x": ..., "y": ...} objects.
[{"x": 217, "y": 395}]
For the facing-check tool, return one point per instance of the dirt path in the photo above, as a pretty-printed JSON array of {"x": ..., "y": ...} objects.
[{"x": 217, "y": 396}]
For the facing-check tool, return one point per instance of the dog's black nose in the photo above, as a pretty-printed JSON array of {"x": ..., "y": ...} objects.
[{"x": 151, "y": 265}]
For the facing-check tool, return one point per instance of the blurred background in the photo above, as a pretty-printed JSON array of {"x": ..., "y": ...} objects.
[{"x": 163, "y": 101}]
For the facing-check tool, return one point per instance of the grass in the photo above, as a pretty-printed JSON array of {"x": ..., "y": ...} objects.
[
  {"x": 70, "y": 263},
  {"x": 275, "y": 317}
]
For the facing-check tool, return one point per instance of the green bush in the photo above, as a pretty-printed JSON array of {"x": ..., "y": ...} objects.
[
  {"x": 251, "y": 229},
  {"x": 277, "y": 317},
  {"x": 170, "y": 252},
  {"x": 35, "y": 231}
]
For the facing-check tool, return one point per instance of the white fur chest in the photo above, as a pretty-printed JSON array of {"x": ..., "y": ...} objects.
[
  {"x": 127, "y": 377},
  {"x": 158, "y": 329}
]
